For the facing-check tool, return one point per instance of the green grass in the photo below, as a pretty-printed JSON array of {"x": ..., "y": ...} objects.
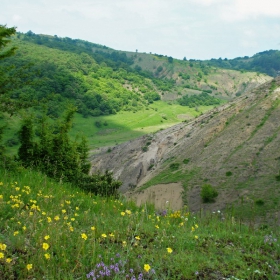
[
  {"x": 51, "y": 230},
  {"x": 125, "y": 126},
  {"x": 122, "y": 127}
]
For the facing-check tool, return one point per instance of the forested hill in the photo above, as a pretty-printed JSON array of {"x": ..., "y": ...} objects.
[
  {"x": 101, "y": 81},
  {"x": 267, "y": 62}
]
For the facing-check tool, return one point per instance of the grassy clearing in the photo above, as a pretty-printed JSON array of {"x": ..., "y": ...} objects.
[
  {"x": 125, "y": 126},
  {"x": 118, "y": 128},
  {"x": 54, "y": 231}
]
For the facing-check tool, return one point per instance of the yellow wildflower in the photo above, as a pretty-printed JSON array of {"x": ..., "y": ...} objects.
[
  {"x": 8, "y": 260},
  {"x": 84, "y": 236},
  {"x": 156, "y": 226},
  {"x": 137, "y": 237},
  {"x": 3, "y": 246},
  {"x": 63, "y": 211},
  {"x": 122, "y": 213},
  {"x": 47, "y": 237},
  {"x": 128, "y": 212},
  {"x": 92, "y": 228},
  {"x": 196, "y": 237},
  {"x": 1, "y": 255},
  {"x": 29, "y": 266},
  {"x": 147, "y": 267},
  {"x": 46, "y": 246},
  {"x": 49, "y": 219},
  {"x": 56, "y": 218},
  {"x": 16, "y": 233},
  {"x": 103, "y": 235},
  {"x": 169, "y": 250},
  {"x": 47, "y": 256}
]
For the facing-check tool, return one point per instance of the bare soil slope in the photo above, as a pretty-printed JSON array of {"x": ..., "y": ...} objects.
[{"x": 235, "y": 148}]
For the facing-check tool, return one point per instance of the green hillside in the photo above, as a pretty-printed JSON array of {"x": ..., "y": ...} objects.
[
  {"x": 52, "y": 230},
  {"x": 267, "y": 62}
]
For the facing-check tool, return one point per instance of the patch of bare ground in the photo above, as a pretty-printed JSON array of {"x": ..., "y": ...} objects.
[{"x": 163, "y": 196}]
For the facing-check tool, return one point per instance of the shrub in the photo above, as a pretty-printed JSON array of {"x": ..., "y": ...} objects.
[
  {"x": 208, "y": 193},
  {"x": 145, "y": 149},
  {"x": 259, "y": 202},
  {"x": 186, "y": 160},
  {"x": 228, "y": 173},
  {"x": 174, "y": 166}
]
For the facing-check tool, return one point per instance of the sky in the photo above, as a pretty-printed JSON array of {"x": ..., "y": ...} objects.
[{"x": 195, "y": 29}]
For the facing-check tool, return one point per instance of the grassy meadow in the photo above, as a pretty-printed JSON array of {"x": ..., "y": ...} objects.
[
  {"x": 127, "y": 125},
  {"x": 52, "y": 230},
  {"x": 114, "y": 129}
]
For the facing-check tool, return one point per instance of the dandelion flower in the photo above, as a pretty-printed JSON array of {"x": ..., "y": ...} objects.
[
  {"x": 63, "y": 211},
  {"x": 8, "y": 260},
  {"x": 84, "y": 236},
  {"x": 92, "y": 228},
  {"x": 103, "y": 235},
  {"x": 137, "y": 237},
  {"x": 169, "y": 250},
  {"x": 16, "y": 233},
  {"x": 49, "y": 219},
  {"x": 1, "y": 255},
  {"x": 46, "y": 246},
  {"x": 147, "y": 267},
  {"x": 128, "y": 212},
  {"x": 122, "y": 213},
  {"x": 29, "y": 266},
  {"x": 56, "y": 218},
  {"x": 46, "y": 237}
]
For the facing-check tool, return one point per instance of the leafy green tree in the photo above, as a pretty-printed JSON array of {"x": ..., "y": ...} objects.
[{"x": 5, "y": 34}]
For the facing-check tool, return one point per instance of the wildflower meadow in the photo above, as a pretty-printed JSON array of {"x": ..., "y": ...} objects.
[{"x": 50, "y": 230}]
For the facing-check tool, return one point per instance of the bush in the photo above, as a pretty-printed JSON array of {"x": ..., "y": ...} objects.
[
  {"x": 208, "y": 193},
  {"x": 174, "y": 166},
  {"x": 228, "y": 173},
  {"x": 259, "y": 202}
]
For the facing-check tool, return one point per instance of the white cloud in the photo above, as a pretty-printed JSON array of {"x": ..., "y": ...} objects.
[
  {"x": 191, "y": 28},
  {"x": 250, "y": 9}
]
